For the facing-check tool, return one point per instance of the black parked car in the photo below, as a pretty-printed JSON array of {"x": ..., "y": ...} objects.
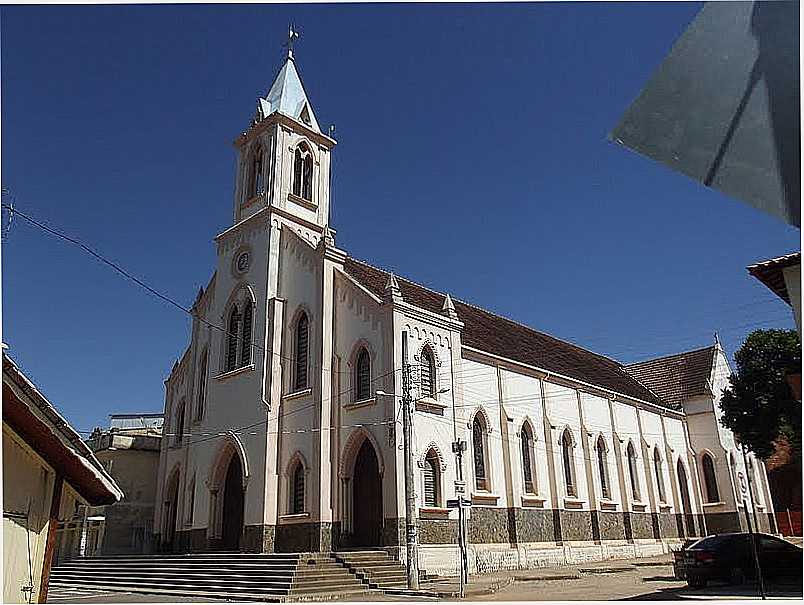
[
  {"x": 678, "y": 559},
  {"x": 729, "y": 557}
]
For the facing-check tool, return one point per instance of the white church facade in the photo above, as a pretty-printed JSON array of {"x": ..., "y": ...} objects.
[{"x": 282, "y": 427}]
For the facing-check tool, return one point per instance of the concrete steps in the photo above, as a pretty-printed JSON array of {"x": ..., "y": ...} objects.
[
  {"x": 233, "y": 576},
  {"x": 376, "y": 568}
]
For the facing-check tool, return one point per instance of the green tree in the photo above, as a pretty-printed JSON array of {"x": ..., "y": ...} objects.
[{"x": 758, "y": 405}]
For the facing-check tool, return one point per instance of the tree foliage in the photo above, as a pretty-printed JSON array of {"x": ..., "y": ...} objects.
[{"x": 758, "y": 405}]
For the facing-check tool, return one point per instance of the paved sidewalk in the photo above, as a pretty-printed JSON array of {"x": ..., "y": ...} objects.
[{"x": 490, "y": 583}]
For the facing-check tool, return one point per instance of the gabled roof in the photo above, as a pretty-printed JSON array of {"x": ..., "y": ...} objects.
[
  {"x": 770, "y": 273},
  {"x": 287, "y": 96},
  {"x": 36, "y": 420},
  {"x": 497, "y": 335},
  {"x": 676, "y": 378}
]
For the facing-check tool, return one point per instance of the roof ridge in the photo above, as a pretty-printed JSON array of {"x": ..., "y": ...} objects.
[
  {"x": 679, "y": 354},
  {"x": 620, "y": 365}
]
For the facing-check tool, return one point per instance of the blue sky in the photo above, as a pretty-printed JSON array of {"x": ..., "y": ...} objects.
[{"x": 472, "y": 158}]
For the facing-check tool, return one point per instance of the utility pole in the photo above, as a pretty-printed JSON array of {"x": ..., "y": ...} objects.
[
  {"x": 458, "y": 446},
  {"x": 750, "y": 530},
  {"x": 411, "y": 538}
]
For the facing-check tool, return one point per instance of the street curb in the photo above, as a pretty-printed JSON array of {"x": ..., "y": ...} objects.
[{"x": 491, "y": 589}]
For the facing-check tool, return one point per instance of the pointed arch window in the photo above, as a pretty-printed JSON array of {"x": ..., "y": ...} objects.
[
  {"x": 733, "y": 470},
  {"x": 302, "y": 344},
  {"x": 427, "y": 373},
  {"x": 657, "y": 469},
  {"x": 567, "y": 445},
  {"x": 245, "y": 344},
  {"x": 479, "y": 451},
  {"x": 603, "y": 467},
  {"x": 303, "y": 172},
  {"x": 256, "y": 173},
  {"x": 362, "y": 375},
  {"x": 297, "y": 489},
  {"x": 710, "y": 479},
  {"x": 633, "y": 473},
  {"x": 179, "y": 428},
  {"x": 432, "y": 479},
  {"x": 202, "y": 386},
  {"x": 528, "y": 470},
  {"x": 232, "y": 332}
]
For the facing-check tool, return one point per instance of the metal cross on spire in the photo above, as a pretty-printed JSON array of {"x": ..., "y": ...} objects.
[{"x": 292, "y": 36}]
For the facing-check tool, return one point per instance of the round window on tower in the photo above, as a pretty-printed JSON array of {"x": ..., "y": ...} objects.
[{"x": 241, "y": 261}]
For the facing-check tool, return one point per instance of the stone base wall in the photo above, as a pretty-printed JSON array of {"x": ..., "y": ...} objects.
[
  {"x": 719, "y": 523},
  {"x": 486, "y": 558}
]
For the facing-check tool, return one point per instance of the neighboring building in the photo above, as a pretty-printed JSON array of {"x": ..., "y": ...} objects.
[
  {"x": 277, "y": 440},
  {"x": 782, "y": 276},
  {"x": 694, "y": 382},
  {"x": 129, "y": 451},
  {"x": 48, "y": 472}
]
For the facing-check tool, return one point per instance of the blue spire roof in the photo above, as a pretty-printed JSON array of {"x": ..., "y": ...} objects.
[{"x": 287, "y": 96}]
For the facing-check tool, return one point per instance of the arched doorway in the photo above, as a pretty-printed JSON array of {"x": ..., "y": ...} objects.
[
  {"x": 683, "y": 484},
  {"x": 367, "y": 498},
  {"x": 232, "y": 522},
  {"x": 171, "y": 513}
]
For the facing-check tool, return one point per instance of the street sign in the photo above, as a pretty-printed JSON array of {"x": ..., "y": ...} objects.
[
  {"x": 459, "y": 502},
  {"x": 460, "y": 487}
]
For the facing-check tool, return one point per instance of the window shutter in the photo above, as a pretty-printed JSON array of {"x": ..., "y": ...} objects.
[
  {"x": 527, "y": 464},
  {"x": 569, "y": 471},
  {"x": 302, "y": 346},
  {"x": 245, "y": 349},
  {"x": 298, "y": 489},
  {"x": 231, "y": 345},
  {"x": 602, "y": 468},
  {"x": 430, "y": 495},
  {"x": 479, "y": 454},
  {"x": 363, "y": 376},
  {"x": 202, "y": 386},
  {"x": 427, "y": 373},
  {"x": 657, "y": 468},
  {"x": 632, "y": 471},
  {"x": 297, "y": 172}
]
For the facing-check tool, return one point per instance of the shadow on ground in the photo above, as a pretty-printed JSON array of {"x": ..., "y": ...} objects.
[{"x": 718, "y": 591}]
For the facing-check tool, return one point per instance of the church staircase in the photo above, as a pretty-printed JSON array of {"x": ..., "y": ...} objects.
[
  {"x": 376, "y": 568},
  {"x": 232, "y": 576}
]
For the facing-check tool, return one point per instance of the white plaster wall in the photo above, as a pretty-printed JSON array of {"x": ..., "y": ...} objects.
[
  {"x": 628, "y": 432},
  {"x": 598, "y": 422},
  {"x": 562, "y": 413}
]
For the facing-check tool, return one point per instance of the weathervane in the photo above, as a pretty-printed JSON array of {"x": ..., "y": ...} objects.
[{"x": 292, "y": 36}]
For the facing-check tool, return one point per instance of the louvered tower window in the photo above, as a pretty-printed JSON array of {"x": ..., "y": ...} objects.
[
  {"x": 657, "y": 468},
  {"x": 527, "y": 458},
  {"x": 362, "y": 376},
  {"x": 432, "y": 479},
  {"x": 302, "y": 349},
  {"x": 478, "y": 431},
  {"x": 632, "y": 470},
  {"x": 297, "y": 496},
  {"x": 569, "y": 468},
  {"x": 257, "y": 173},
  {"x": 603, "y": 467},
  {"x": 303, "y": 172},
  {"x": 245, "y": 348},
  {"x": 231, "y": 342},
  {"x": 428, "y": 369}
]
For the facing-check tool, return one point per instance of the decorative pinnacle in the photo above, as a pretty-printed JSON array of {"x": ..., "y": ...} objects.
[
  {"x": 448, "y": 308},
  {"x": 293, "y": 35},
  {"x": 392, "y": 290}
]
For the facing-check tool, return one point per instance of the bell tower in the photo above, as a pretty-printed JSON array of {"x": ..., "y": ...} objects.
[{"x": 283, "y": 157}]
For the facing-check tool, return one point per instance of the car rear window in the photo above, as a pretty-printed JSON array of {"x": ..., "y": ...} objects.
[{"x": 716, "y": 541}]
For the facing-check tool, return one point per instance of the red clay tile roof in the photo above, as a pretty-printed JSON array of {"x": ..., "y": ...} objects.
[
  {"x": 769, "y": 272},
  {"x": 676, "y": 378},
  {"x": 500, "y": 336}
]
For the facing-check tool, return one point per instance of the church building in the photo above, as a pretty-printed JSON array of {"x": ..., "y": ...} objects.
[{"x": 282, "y": 418}]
